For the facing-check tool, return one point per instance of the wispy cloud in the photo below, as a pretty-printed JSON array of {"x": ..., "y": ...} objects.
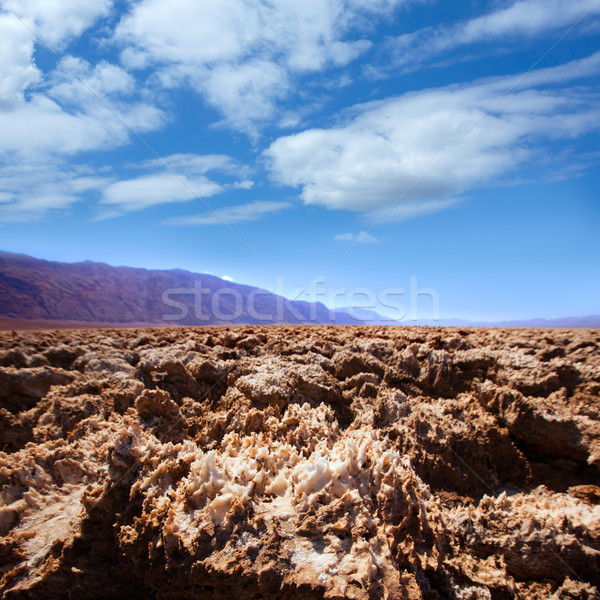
[
  {"x": 150, "y": 190},
  {"x": 38, "y": 187},
  {"x": 407, "y": 210},
  {"x": 361, "y": 238},
  {"x": 194, "y": 163},
  {"x": 172, "y": 179},
  {"x": 527, "y": 18},
  {"x": 32, "y": 191},
  {"x": 230, "y": 215}
]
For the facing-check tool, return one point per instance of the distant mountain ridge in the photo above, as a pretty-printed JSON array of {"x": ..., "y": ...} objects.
[
  {"x": 40, "y": 290},
  {"x": 36, "y": 290},
  {"x": 586, "y": 322}
]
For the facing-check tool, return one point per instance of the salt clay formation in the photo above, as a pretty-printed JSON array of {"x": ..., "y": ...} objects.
[{"x": 300, "y": 462}]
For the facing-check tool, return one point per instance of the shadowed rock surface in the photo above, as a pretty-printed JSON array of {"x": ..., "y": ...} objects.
[{"x": 300, "y": 462}]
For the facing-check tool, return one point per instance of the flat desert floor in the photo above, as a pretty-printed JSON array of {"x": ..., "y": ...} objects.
[{"x": 300, "y": 462}]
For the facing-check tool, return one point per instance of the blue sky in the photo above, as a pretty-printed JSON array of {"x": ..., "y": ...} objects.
[{"x": 325, "y": 145}]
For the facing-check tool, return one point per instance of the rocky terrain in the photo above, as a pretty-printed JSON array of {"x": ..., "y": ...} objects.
[{"x": 300, "y": 462}]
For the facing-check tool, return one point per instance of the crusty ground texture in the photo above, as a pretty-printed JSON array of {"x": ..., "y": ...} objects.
[{"x": 300, "y": 462}]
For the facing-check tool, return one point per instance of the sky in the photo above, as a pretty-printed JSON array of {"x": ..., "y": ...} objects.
[{"x": 341, "y": 151}]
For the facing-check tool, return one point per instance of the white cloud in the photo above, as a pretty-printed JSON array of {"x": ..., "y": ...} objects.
[
  {"x": 54, "y": 22},
  {"x": 227, "y": 278},
  {"x": 34, "y": 189},
  {"x": 76, "y": 81},
  {"x": 305, "y": 35},
  {"x": 242, "y": 55},
  {"x": 58, "y": 21},
  {"x": 41, "y": 125},
  {"x": 576, "y": 69},
  {"x": 246, "y": 184},
  {"x": 422, "y": 149},
  {"x": 523, "y": 18},
  {"x": 173, "y": 179},
  {"x": 76, "y": 107},
  {"x": 230, "y": 215},
  {"x": 182, "y": 30},
  {"x": 529, "y": 17},
  {"x": 16, "y": 64},
  {"x": 150, "y": 190},
  {"x": 60, "y": 113},
  {"x": 361, "y": 238},
  {"x": 411, "y": 209},
  {"x": 79, "y": 107},
  {"x": 245, "y": 93}
]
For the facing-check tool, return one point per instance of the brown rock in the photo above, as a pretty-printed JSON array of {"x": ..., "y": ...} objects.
[{"x": 300, "y": 462}]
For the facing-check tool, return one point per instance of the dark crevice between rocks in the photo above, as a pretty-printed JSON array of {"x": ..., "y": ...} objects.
[
  {"x": 557, "y": 473},
  {"x": 15, "y": 431}
]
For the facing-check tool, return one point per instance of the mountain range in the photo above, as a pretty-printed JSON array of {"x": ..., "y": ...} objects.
[
  {"x": 70, "y": 294},
  {"x": 32, "y": 289}
]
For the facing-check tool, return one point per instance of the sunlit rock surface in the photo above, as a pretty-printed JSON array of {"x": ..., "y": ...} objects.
[{"x": 300, "y": 462}]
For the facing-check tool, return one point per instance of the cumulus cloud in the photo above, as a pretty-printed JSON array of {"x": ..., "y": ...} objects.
[
  {"x": 426, "y": 147},
  {"x": 75, "y": 81},
  {"x": 22, "y": 22},
  {"x": 78, "y": 107},
  {"x": 304, "y": 35},
  {"x": 65, "y": 112},
  {"x": 245, "y": 93},
  {"x": 72, "y": 108},
  {"x": 361, "y": 238},
  {"x": 230, "y": 215},
  {"x": 527, "y": 18},
  {"x": 16, "y": 64},
  {"x": 242, "y": 55},
  {"x": 57, "y": 22}
]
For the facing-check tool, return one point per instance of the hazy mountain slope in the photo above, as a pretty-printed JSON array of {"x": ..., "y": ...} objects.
[
  {"x": 95, "y": 292},
  {"x": 39, "y": 290},
  {"x": 587, "y": 322}
]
